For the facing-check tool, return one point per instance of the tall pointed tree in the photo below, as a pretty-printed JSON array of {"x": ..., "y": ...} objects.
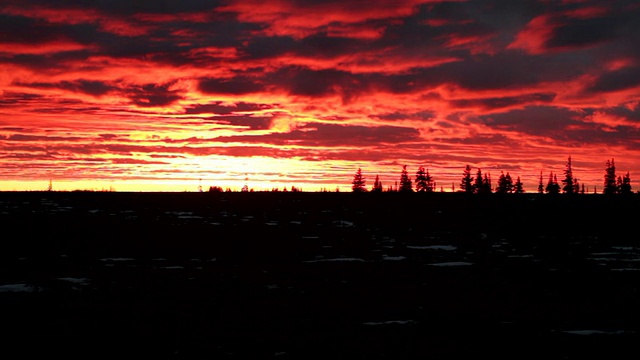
[
  {"x": 552, "y": 185},
  {"x": 377, "y": 185},
  {"x": 486, "y": 184},
  {"x": 625, "y": 184},
  {"x": 421, "y": 180},
  {"x": 431, "y": 184},
  {"x": 518, "y": 188},
  {"x": 568, "y": 181},
  {"x": 477, "y": 184},
  {"x": 358, "y": 183},
  {"x": 610, "y": 186},
  {"x": 540, "y": 185},
  {"x": 466, "y": 185},
  {"x": 405, "y": 181},
  {"x": 505, "y": 184}
]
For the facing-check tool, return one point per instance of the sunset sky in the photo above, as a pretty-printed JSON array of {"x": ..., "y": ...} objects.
[{"x": 162, "y": 95}]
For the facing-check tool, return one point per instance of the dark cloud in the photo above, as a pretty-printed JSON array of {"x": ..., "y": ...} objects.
[
  {"x": 265, "y": 47},
  {"x": 583, "y": 32},
  {"x": 250, "y": 122},
  {"x": 332, "y": 135},
  {"x": 151, "y": 95},
  {"x": 398, "y": 115},
  {"x": 562, "y": 125},
  {"x": 238, "y": 85},
  {"x": 23, "y": 137},
  {"x": 127, "y": 7},
  {"x": 535, "y": 120},
  {"x": 13, "y": 98},
  {"x": 615, "y": 80},
  {"x": 224, "y": 109},
  {"x": 90, "y": 87},
  {"x": 503, "y": 102}
]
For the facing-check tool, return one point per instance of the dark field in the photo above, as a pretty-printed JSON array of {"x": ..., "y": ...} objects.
[{"x": 318, "y": 275}]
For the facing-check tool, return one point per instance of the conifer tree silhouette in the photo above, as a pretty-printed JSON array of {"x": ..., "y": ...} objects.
[
  {"x": 518, "y": 187},
  {"x": 421, "y": 180},
  {"x": 540, "y": 185},
  {"x": 625, "y": 184},
  {"x": 466, "y": 185},
  {"x": 424, "y": 180},
  {"x": 405, "y": 181},
  {"x": 568, "y": 181},
  {"x": 482, "y": 183},
  {"x": 477, "y": 183},
  {"x": 610, "y": 186},
  {"x": 505, "y": 184},
  {"x": 358, "y": 183},
  {"x": 377, "y": 185},
  {"x": 552, "y": 185}
]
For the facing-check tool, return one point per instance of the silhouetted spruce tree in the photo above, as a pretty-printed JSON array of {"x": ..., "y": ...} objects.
[
  {"x": 582, "y": 191},
  {"x": 421, "y": 180},
  {"x": 482, "y": 183},
  {"x": 486, "y": 184},
  {"x": 358, "y": 183},
  {"x": 466, "y": 185},
  {"x": 568, "y": 181},
  {"x": 610, "y": 186},
  {"x": 477, "y": 184},
  {"x": 552, "y": 185},
  {"x": 518, "y": 188},
  {"x": 505, "y": 184},
  {"x": 431, "y": 184},
  {"x": 625, "y": 184},
  {"x": 377, "y": 185},
  {"x": 405, "y": 181},
  {"x": 540, "y": 185}
]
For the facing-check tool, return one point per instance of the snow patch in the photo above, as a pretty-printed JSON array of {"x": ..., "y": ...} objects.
[
  {"x": 390, "y": 322},
  {"x": 337, "y": 259},
  {"x": 433, "y": 247},
  {"x": 13, "y": 288},
  {"x": 393, "y": 258},
  {"x": 452, "y": 263}
]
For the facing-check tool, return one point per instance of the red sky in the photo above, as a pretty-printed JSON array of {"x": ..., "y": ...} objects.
[{"x": 169, "y": 95}]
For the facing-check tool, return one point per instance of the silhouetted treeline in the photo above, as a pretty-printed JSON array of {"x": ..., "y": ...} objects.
[{"x": 481, "y": 183}]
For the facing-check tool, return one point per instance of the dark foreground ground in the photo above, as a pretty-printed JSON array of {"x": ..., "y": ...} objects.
[{"x": 318, "y": 275}]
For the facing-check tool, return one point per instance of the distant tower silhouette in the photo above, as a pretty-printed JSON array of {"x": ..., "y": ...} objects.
[
  {"x": 200, "y": 185},
  {"x": 50, "y": 188}
]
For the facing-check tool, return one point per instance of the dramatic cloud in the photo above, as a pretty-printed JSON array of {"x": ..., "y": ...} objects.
[{"x": 154, "y": 95}]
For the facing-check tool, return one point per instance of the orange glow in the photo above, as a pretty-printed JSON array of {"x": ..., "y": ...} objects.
[{"x": 302, "y": 93}]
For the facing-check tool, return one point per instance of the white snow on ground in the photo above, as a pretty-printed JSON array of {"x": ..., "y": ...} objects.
[
  {"x": 78, "y": 281},
  {"x": 336, "y": 259},
  {"x": 390, "y": 322},
  {"x": 624, "y": 248},
  {"x": 17, "y": 288},
  {"x": 452, "y": 263},
  {"x": 625, "y": 269},
  {"x": 593, "y": 332},
  {"x": 433, "y": 247},
  {"x": 393, "y": 258},
  {"x": 343, "y": 223},
  {"x": 117, "y": 259}
]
